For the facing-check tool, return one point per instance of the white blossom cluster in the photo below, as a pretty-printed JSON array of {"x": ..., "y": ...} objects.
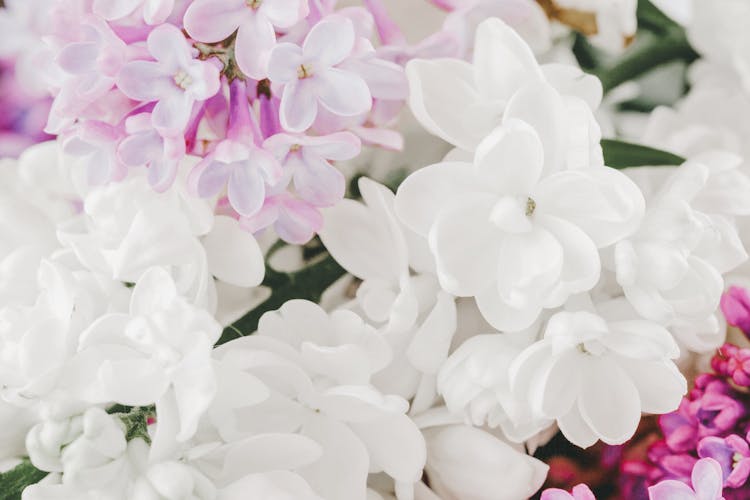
[{"x": 517, "y": 287}]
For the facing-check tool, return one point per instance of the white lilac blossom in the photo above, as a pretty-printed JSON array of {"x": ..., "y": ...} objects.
[
  {"x": 319, "y": 368},
  {"x": 595, "y": 377},
  {"x": 671, "y": 268},
  {"x": 510, "y": 232},
  {"x": 485, "y": 91}
]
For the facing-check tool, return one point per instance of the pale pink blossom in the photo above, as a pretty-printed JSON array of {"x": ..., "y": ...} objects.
[
  {"x": 152, "y": 11},
  {"x": 175, "y": 80},
  {"x": 255, "y": 21},
  {"x": 311, "y": 79},
  {"x": 706, "y": 479}
]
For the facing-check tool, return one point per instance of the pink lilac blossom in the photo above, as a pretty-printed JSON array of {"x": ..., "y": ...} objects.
[
  {"x": 735, "y": 304},
  {"x": 706, "y": 484},
  {"x": 579, "y": 492},
  {"x": 144, "y": 83}
]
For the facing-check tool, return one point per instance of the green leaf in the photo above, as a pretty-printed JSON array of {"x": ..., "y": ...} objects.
[
  {"x": 135, "y": 420},
  {"x": 649, "y": 52},
  {"x": 619, "y": 154},
  {"x": 308, "y": 283},
  {"x": 13, "y": 482},
  {"x": 652, "y": 18}
]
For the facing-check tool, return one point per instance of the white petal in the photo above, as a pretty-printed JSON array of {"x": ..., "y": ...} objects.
[
  {"x": 268, "y": 452},
  {"x": 576, "y": 430},
  {"x": 503, "y": 62},
  {"x": 504, "y": 317},
  {"x": 439, "y": 87},
  {"x": 426, "y": 192},
  {"x": 660, "y": 385},
  {"x": 609, "y": 402},
  {"x": 465, "y": 245},
  {"x": 600, "y": 200},
  {"x": 510, "y": 159},
  {"x": 233, "y": 254}
]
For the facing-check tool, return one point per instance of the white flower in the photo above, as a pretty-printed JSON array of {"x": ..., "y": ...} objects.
[
  {"x": 38, "y": 340},
  {"x": 127, "y": 227},
  {"x": 462, "y": 102},
  {"x": 399, "y": 287},
  {"x": 513, "y": 231},
  {"x": 463, "y": 463},
  {"x": 596, "y": 377},
  {"x": 670, "y": 269},
  {"x": 158, "y": 353},
  {"x": 475, "y": 382},
  {"x": 318, "y": 368}
]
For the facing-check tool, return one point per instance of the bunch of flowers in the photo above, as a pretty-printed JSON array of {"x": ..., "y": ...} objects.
[{"x": 372, "y": 250}]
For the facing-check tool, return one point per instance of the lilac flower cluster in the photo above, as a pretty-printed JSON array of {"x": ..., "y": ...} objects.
[{"x": 269, "y": 93}]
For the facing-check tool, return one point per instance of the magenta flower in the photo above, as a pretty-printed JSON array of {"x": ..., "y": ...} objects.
[
  {"x": 214, "y": 20},
  {"x": 175, "y": 81},
  {"x": 732, "y": 453},
  {"x": 579, "y": 492},
  {"x": 145, "y": 147},
  {"x": 306, "y": 160},
  {"x": 706, "y": 479},
  {"x": 310, "y": 77},
  {"x": 735, "y": 304},
  {"x": 153, "y": 11}
]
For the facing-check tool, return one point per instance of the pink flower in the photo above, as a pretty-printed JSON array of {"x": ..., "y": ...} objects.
[
  {"x": 145, "y": 147},
  {"x": 579, "y": 492},
  {"x": 244, "y": 169},
  {"x": 735, "y": 304},
  {"x": 153, "y": 11},
  {"x": 306, "y": 160},
  {"x": 294, "y": 220},
  {"x": 96, "y": 144},
  {"x": 732, "y": 453},
  {"x": 707, "y": 484},
  {"x": 310, "y": 78},
  {"x": 176, "y": 80},
  {"x": 214, "y": 20}
]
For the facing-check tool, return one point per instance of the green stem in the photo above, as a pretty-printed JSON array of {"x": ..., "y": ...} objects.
[
  {"x": 620, "y": 154},
  {"x": 643, "y": 58},
  {"x": 308, "y": 284}
]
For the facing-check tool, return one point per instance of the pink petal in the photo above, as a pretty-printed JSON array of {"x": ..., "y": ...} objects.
[
  {"x": 209, "y": 177},
  {"x": 284, "y": 13},
  {"x": 344, "y": 93},
  {"x": 246, "y": 189},
  {"x": 139, "y": 149},
  {"x": 168, "y": 46},
  {"x": 214, "y": 20},
  {"x": 78, "y": 58},
  {"x": 318, "y": 182},
  {"x": 172, "y": 113},
  {"x": 115, "y": 9},
  {"x": 255, "y": 39},
  {"x": 338, "y": 146},
  {"x": 298, "y": 222},
  {"x": 330, "y": 41},
  {"x": 556, "y": 494},
  {"x": 157, "y": 11},
  {"x": 671, "y": 490},
  {"x": 707, "y": 479},
  {"x": 283, "y": 63},
  {"x": 299, "y": 105},
  {"x": 144, "y": 81}
]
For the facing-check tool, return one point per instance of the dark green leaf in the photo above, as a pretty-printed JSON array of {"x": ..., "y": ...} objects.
[
  {"x": 619, "y": 154},
  {"x": 652, "y": 18},
  {"x": 13, "y": 482}
]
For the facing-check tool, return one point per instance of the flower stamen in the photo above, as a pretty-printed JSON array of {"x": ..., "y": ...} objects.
[
  {"x": 182, "y": 79},
  {"x": 304, "y": 71}
]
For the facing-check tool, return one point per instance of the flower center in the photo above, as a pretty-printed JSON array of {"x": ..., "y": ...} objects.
[
  {"x": 182, "y": 79},
  {"x": 304, "y": 71},
  {"x": 253, "y": 4},
  {"x": 592, "y": 348},
  {"x": 295, "y": 147},
  {"x": 530, "y": 206},
  {"x": 736, "y": 459}
]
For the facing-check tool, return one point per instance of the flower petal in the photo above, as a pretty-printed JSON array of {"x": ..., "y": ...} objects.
[
  {"x": 233, "y": 254},
  {"x": 343, "y": 93}
]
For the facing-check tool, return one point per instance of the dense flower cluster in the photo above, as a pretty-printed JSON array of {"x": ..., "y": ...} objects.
[{"x": 372, "y": 250}]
